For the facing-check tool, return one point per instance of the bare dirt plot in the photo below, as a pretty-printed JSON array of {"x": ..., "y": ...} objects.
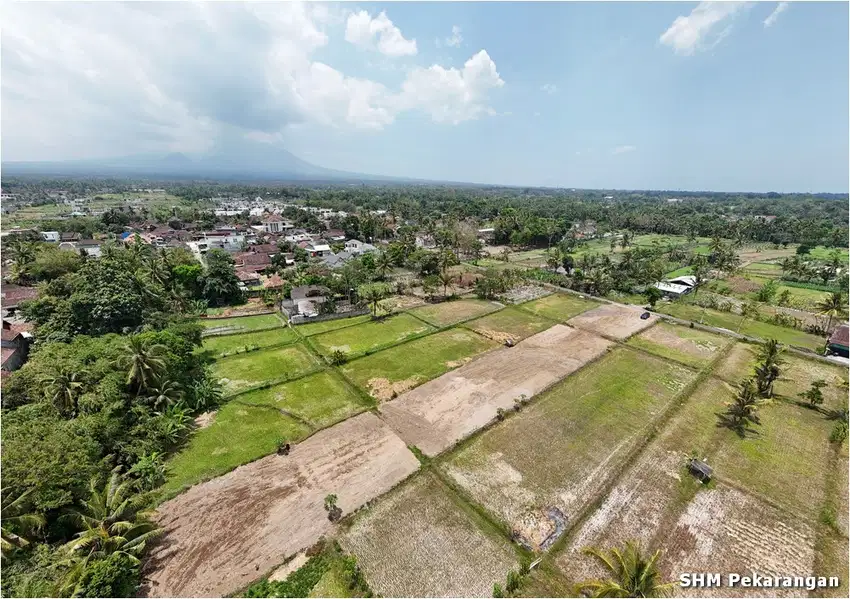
[
  {"x": 448, "y": 313},
  {"x": 525, "y": 293},
  {"x": 690, "y": 346},
  {"x": 438, "y": 414},
  {"x": 725, "y": 530},
  {"x": 537, "y": 470},
  {"x": 648, "y": 497},
  {"x": 225, "y": 533},
  {"x": 417, "y": 542},
  {"x": 720, "y": 529},
  {"x": 613, "y": 320},
  {"x": 509, "y": 324},
  {"x": 759, "y": 254},
  {"x": 559, "y": 307}
]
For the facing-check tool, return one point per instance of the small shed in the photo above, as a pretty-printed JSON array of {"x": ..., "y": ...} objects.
[{"x": 700, "y": 470}]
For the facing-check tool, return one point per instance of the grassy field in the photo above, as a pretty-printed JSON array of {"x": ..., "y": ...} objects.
[
  {"x": 557, "y": 453},
  {"x": 679, "y": 272},
  {"x": 797, "y": 374},
  {"x": 392, "y": 371},
  {"x": 559, "y": 307},
  {"x": 238, "y": 435},
  {"x": 254, "y": 368},
  {"x": 690, "y": 346},
  {"x": 785, "y": 460},
  {"x": 316, "y": 328},
  {"x": 370, "y": 335},
  {"x": 218, "y": 345},
  {"x": 240, "y": 324},
  {"x": 510, "y": 323},
  {"x": 449, "y": 313},
  {"x": 823, "y": 253},
  {"x": 418, "y": 541},
  {"x": 252, "y": 425},
  {"x": 752, "y": 328}
]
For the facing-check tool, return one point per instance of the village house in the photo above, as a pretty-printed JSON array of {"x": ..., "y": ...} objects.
[
  {"x": 12, "y": 295},
  {"x": 677, "y": 287},
  {"x": 275, "y": 223},
  {"x": 15, "y": 345},
  {"x": 839, "y": 341},
  {"x": 334, "y": 235},
  {"x": 355, "y": 246},
  {"x": 51, "y": 236},
  {"x": 317, "y": 250}
]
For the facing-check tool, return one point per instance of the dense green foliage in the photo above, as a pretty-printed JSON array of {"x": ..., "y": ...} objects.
[{"x": 110, "y": 386}]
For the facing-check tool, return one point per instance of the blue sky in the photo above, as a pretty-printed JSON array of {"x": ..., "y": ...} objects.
[{"x": 720, "y": 96}]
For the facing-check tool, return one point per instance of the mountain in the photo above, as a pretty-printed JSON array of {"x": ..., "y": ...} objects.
[{"x": 244, "y": 160}]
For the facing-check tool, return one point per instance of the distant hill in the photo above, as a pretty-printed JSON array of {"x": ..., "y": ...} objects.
[{"x": 245, "y": 160}]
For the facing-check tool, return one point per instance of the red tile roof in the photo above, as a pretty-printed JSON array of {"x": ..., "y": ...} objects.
[
  {"x": 840, "y": 336},
  {"x": 273, "y": 218},
  {"x": 12, "y": 294},
  {"x": 252, "y": 259}
]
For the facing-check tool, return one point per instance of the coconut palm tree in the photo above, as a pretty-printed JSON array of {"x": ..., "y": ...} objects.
[
  {"x": 165, "y": 394},
  {"x": 446, "y": 278},
  {"x": 767, "y": 368},
  {"x": 383, "y": 263},
  {"x": 63, "y": 389},
  {"x": 832, "y": 306},
  {"x": 109, "y": 522},
  {"x": 741, "y": 413},
  {"x": 17, "y": 522},
  {"x": 632, "y": 573},
  {"x": 142, "y": 361}
]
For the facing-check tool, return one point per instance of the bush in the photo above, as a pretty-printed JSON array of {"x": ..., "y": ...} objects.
[
  {"x": 338, "y": 357},
  {"x": 115, "y": 576},
  {"x": 497, "y": 591}
]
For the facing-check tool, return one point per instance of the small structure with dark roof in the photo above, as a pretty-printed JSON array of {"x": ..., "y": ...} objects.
[
  {"x": 700, "y": 470},
  {"x": 839, "y": 341}
]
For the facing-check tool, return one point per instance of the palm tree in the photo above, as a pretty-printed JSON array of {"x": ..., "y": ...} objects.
[
  {"x": 767, "y": 370},
  {"x": 832, "y": 306},
  {"x": 143, "y": 362},
  {"x": 63, "y": 389},
  {"x": 166, "y": 393},
  {"x": 632, "y": 573},
  {"x": 446, "y": 279},
  {"x": 741, "y": 413},
  {"x": 16, "y": 516},
  {"x": 109, "y": 522},
  {"x": 383, "y": 263}
]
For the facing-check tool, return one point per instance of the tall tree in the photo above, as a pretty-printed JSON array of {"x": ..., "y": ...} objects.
[
  {"x": 767, "y": 368},
  {"x": 143, "y": 362},
  {"x": 18, "y": 521},
  {"x": 832, "y": 306}
]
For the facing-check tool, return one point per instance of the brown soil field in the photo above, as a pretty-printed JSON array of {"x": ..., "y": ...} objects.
[
  {"x": 720, "y": 529},
  {"x": 751, "y": 254},
  {"x": 438, "y": 414},
  {"x": 725, "y": 530},
  {"x": 613, "y": 321},
  {"x": 223, "y": 534},
  {"x": 417, "y": 542}
]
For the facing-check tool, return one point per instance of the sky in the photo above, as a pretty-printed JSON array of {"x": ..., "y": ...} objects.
[{"x": 724, "y": 96}]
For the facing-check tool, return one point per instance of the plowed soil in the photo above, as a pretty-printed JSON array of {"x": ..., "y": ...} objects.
[
  {"x": 438, "y": 414},
  {"x": 225, "y": 533}
]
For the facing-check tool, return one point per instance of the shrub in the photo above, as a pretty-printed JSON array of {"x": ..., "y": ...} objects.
[
  {"x": 338, "y": 357},
  {"x": 497, "y": 590},
  {"x": 115, "y": 576}
]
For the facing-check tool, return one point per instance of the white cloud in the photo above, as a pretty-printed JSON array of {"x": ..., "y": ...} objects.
[
  {"x": 771, "y": 19},
  {"x": 84, "y": 80},
  {"x": 549, "y": 88},
  {"x": 455, "y": 40},
  {"x": 361, "y": 30},
  {"x": 691, "y": 33},
  {"x": 623, "y": 149},
  {"x": 452, "y": 95}
]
